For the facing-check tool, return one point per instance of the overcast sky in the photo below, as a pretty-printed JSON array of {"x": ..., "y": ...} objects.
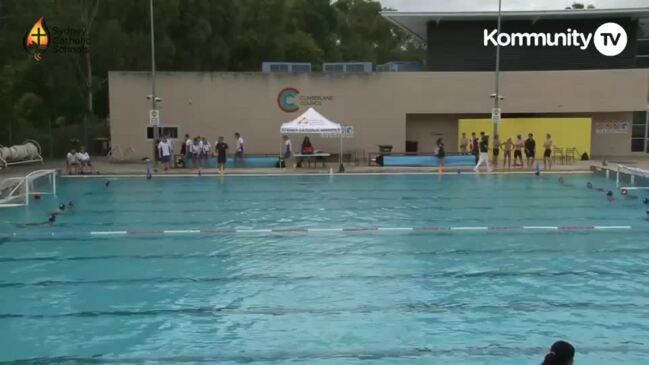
[{"x": 476, "y": 5}]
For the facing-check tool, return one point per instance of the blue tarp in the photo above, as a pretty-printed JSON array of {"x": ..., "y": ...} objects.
[
  {"x": 248, "y": 161},
  {"x": 395, "y": 160}
]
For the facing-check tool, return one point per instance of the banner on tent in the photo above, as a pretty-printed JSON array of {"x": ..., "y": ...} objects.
[{"x": 348, "y": 132}]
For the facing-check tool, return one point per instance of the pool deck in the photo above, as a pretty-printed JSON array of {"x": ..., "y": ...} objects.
[{"x": 107, "y": 168}]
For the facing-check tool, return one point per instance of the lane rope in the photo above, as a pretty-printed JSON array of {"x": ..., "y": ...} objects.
[{"x": 306, "y": 230}]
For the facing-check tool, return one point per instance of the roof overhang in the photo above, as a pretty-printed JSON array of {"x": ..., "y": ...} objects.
[{"x": 415, "y": 22}]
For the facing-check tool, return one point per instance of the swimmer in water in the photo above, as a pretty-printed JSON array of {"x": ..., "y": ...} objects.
[
  {"x": 609, "y": 196},
  {"x": 647, "y": 215},
  {"x": 589, "y": 185},
  {"x": 70, "y": 204},
  {"x": 645, "y": 201},
  {"x": 562, "y": 181},
  {"x": 51, "y": 219},
  {"x": 107, "y": 184}
]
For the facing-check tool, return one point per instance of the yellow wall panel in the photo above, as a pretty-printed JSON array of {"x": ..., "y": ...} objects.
[{"x": 566, "y": 132}]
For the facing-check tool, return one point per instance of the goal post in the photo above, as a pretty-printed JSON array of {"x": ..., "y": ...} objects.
[
  {"x": 631, "y": 178},
  {"x": 16, "y": 191}
]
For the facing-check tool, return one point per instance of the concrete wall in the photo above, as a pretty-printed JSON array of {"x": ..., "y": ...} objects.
[{"x": 376, "y": 104}]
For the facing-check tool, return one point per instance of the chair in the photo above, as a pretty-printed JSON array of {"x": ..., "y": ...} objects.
[
  {"x": 557, "y": 153},
  {"x": 571, "y": 155}
]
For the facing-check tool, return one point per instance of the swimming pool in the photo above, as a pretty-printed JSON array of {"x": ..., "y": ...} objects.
[{"x": 401, "y": 269}]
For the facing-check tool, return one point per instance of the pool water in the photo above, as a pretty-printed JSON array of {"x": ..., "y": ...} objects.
[{"x": 220, "y": 287}]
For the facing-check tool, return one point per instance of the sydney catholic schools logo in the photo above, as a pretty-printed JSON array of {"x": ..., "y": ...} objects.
[
  {"x": 37, "y": 40},
  {"x": 610, "y": 39}
]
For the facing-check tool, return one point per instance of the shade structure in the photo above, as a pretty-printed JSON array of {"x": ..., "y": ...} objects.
[{"x": 312, "y": 122}]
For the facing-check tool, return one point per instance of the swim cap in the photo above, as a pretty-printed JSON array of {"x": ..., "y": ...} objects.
[
  {"x": 62, "y": 206},
  {"x": 645, "y": 200},
  {"x": 589, "y": 185},
  {"x": 51, "y": 218},
  {"x": 624, "y": 192},
  {"x": 609, "y": 193},
  {"x": 37, "y": 196},
  {"x": 560, "y": 353}
]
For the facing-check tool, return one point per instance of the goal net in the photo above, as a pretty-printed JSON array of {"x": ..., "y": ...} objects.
[
  {"x": 631, "y": 178},
  {"x": 18, "y": 191}
]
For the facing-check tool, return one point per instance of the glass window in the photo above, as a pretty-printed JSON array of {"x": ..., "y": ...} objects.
[
  {"x": 301, "y": 68},
  {"x": 637, "y": 145},
  {"x": 279, "y": 68},
  {"x": 639, "y": 118},
  {"x": 638, "y": 131},
  {"x": 334, "y": 68},
  {"x": 170, "y": 132},
  {"x": 355, "y": 68}
]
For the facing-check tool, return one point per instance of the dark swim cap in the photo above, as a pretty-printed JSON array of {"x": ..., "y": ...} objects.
[
  {"x": 51, "y": 218},
  {"x": 589, "y": 185},
  {"x": 561, "y": 353},
  {"x": 609, "y": 193},
  {"x": 62, "y": 206},
  {"x": 645, "y": 200}
]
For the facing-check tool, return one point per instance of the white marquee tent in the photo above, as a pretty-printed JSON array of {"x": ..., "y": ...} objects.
[{"x": 312, "y": 122}]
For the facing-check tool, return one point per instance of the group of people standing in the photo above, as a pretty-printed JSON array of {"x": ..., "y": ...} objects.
[
  {"x": 198, "y": 149},
  {"x": 479, "y": 147}
]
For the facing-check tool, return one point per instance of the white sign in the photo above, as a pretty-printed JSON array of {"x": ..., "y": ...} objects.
[
  {"x": 495, "y": 115},
  {"x": 612, "y": 127},
  {"x": 348, "y": 132},
  {"x": 154, "y": 117}
]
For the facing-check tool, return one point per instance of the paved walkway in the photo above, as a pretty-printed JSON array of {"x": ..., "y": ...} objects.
[{"x": 107, "y": 168}]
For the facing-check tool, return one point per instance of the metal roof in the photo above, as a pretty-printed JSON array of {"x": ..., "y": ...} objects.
[{"x": 415, "y": 22}]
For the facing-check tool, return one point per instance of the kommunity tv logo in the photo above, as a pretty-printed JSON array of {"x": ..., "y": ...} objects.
[{"x": 610, "y": 39}]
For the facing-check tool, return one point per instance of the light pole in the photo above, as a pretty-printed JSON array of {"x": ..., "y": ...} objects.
[
  {"x": 156, "y": 134},
  {"x": 497, "y": 96}
]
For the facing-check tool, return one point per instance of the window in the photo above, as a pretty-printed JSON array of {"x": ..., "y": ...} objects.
[
  {"x": 301, "y": 68},
  {"x": 639, "y": 132},
  {"x": 355, "y": 68},
  {"x": 169, "y": 132},
  {"x": 279, "y": 68},
  {"x": 334, "y": 68}
]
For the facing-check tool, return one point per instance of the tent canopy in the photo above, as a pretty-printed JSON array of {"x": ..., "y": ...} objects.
[{"x": 311, "y": 122}]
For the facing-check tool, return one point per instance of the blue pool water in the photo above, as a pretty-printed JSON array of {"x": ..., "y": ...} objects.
[{"x": 325, "y": 297}]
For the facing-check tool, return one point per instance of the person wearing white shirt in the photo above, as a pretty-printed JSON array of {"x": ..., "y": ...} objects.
[
  {"x": 72, "y": 162},
  {"x": 165, "y": 149},
  {"x": 84, "y": 159},
  {"x": 238, "y": 151},
  {"x": 195, "y": 150},
  {"x": 288, "y": 150},
  {"x": 205, "y": 151}
]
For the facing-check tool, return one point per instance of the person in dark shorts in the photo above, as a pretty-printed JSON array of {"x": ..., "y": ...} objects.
[
  {"x": 221, "y": 154},
  {"x": 238, "y": 152},
  {"x": 441, "y": 154},
  {"x": 475, "y": 147},
  {"x": 496, "y": 150},
  {"x": 561, "y": 353},
  {"x": 530, "y": 150},
  {"x": 547, "y": 152},
  {"x": 518, "y": 151}
]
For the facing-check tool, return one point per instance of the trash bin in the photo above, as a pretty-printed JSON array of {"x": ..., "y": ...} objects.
[{"x": 385, "y": 148}]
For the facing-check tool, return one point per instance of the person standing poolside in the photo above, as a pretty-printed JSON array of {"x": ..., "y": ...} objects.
[
  {"x": 508, "y": 146},
  {"x": 496, "y": 150},
  {"x": 464, "y": 144},
  {"x": 561, "y": 353},
  {"x": 238, "y": 151},
  {"x": 221, "y": 154},
  {"x": 196, "y": 150},
  {"x": 207, "y": 149},
  {"x": 475, "y": 148},
  {"x": 484, "y": 154},
  {"x": 164, "y": 152},
  {"x": 547, "y": 152},
  {"x": 441, "y": 154},
  {"x": 288, "y": 150},
  {"x": 518, "y": 151},
  {"x": 188, "y": 148},
  {"x": 530, "y": 150}
]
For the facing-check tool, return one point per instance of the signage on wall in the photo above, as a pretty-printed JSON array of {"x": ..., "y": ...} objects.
[
  {"x": 495, "y": 115},
  {"x": 289, "y": 100},
  {"x": 348, "y": 132},
  {"x": 154, "y": 117},
  {"x": 612, "y": 127}
]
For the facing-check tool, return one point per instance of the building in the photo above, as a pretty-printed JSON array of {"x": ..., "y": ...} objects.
[{"x": 586, "y": 100}]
